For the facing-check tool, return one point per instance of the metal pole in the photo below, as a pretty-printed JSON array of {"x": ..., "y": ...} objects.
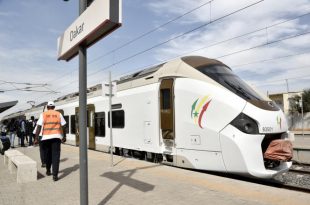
[
  {"x": 110, "y": 104},
  {"x": 302, "y": 117},
  {"x": 82, "y": 116},
  {"x": 287, "y": 90}
]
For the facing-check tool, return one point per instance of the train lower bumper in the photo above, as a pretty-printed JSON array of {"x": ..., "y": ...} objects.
[{"x": 242, "y": 154}]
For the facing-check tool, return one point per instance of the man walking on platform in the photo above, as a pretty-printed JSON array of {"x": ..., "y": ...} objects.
[
  {"x": 23, "y": 132},
  {"x": 53, "y": 133},
  {"x": 30, "y": 127}
]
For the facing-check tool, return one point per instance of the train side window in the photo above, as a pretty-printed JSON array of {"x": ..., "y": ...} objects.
[
  {"x": 72, "y": 124},
  {"x": 165, "y": 99},
  {"x": 116, "y": 106},
  {"x": 87, "y": 118},
  {"x": 118, "y": 119},
  {"x": 100, "y": 124},
  {"x": 67, "y": 123}
]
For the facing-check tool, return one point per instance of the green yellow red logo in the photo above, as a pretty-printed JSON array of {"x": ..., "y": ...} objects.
[{"x": 199, "y": 107}]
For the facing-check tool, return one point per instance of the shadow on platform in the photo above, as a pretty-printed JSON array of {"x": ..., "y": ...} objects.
[
  {"x": 124, "y": 178},
  {"x": 69, "y": 170},
  {"x": 64, "y": 159}
]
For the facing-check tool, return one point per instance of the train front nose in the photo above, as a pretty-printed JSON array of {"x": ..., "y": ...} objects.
[{"x": 247, "y": 137}]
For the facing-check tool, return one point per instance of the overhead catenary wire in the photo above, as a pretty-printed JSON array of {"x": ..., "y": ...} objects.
[
  {"x": 264, "y": 44},
  {"x": 22, "y": 83},
  {"x": 150, "y": 31},
  {"x": 277, "y": 71},
  {"x": 28, "y": 90},
  {"x": 270, "y": 59},
  {"x": 29, "y": 87},
  {"x": 279, "y": 80}
]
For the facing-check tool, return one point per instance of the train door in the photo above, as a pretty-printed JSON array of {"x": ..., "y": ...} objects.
[
  {"x": 91, "y": 142},
  {"x": 61, "y": 111},
  {"x": 67, "y": 120},
  {"x": 167, "y": 118}
]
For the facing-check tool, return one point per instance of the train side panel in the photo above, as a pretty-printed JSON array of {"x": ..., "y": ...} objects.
[
  {"x": 201, "y": 113},
  {"x": 141, "y": 130}
]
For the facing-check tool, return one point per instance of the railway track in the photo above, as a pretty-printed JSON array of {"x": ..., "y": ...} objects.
[
  {"x": 300, "y": 171},
  {"x": 290, "y": 186},
  {"x": 297, "y": 178}
]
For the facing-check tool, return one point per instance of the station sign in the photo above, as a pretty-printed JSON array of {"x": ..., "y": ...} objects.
[
  {"x": 105, "y": 92},
  {"x": 98, "y": 20}
]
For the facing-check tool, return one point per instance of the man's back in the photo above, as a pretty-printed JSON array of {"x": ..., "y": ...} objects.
[{"x": 51, "y": 122}]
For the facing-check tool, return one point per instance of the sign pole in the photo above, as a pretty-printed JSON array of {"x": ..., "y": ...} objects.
[
  {"x": 99, "y": 19},
  {"x": 82, "y": 116},
  {"x": 302, "y": 115},
  {"x": 110, "y": 104}
]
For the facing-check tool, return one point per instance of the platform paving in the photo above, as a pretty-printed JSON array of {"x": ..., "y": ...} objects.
[{"x": 134, "y": 182}]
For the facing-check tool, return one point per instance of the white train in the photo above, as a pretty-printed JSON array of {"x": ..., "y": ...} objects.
[{"x": 191, "y": 112}]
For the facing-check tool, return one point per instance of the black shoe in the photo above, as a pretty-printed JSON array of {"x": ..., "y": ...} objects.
[
  {"x": 48, "y": 172},
  {"x": 55, "y": 178},
  {"x": 43, "y": 165}
]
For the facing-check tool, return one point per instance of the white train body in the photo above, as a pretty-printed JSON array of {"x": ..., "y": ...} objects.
[{"x": 188, "y": 118}]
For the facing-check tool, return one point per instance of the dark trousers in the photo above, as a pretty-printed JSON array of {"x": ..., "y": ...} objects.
[
  {"x": 22, "y": 139},
  {"x": 52, "y": 150},
  {"x": 31, "y": 136},
  {"x": 42, "y": 151}
]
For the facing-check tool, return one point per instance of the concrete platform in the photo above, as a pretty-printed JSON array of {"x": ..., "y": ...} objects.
[
  {"x": 135, "y": 182},
  {"x": 301, "y": 147},
  {"x": 302, "y": 141}
]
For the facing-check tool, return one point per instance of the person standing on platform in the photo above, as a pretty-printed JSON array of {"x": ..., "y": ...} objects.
[
  {"x": 30, "y": 127},
  {"x": 4, "y": 140},
  {"x": 12, "y": 131},
  {"x": 23, "y": 132},
  {"x": 52, "y": 124}
]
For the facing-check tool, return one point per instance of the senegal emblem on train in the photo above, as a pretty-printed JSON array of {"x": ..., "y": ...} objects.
[{"x": 199, "y": 108}]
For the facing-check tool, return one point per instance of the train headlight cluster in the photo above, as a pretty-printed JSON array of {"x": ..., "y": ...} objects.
[{"x": 245, "y": 124}]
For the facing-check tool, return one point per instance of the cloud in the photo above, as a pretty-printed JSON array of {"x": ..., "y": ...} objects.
[
  {"x": 7, "y": 14},
  {"x": 259, "y": 16},
  {"x": 55, "y": 31}
]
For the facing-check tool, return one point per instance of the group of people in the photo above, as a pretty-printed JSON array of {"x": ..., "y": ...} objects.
[
  {"x": 48, "y": 131},
  {"x": 21, "y": 128}
]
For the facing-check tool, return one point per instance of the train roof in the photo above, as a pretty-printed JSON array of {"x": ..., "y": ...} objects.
[{"x": 180, "y": 67}]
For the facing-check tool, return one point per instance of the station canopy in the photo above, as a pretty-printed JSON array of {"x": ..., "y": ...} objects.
[{"x": 7, "y": 105}]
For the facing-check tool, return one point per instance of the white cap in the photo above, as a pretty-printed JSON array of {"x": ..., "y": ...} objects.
[{"x": 50, "y": 103}]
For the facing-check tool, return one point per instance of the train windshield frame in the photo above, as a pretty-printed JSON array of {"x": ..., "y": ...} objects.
[{"x": 224, "y": 76}]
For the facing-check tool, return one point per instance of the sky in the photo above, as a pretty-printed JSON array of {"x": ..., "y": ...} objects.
[{"x": 266, "y": 43}]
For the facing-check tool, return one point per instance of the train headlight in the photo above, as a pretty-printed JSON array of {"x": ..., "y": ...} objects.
[{"x": 245, "y": 124}]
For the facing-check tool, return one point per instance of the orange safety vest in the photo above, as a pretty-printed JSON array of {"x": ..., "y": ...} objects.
[{"x": 51, "y": 123}]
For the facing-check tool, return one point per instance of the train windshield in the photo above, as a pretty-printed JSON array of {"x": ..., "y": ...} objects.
[{"x": 224, "y": 76}]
